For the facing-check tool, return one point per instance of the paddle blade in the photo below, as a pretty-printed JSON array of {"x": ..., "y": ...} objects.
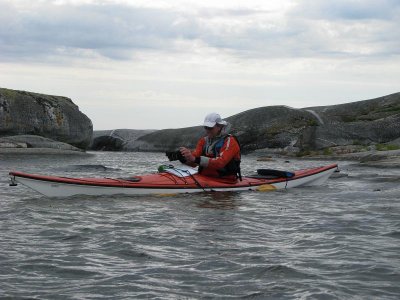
[{"x": 266, "y": 188}]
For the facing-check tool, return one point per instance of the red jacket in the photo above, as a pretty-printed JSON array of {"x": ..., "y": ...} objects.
[{"x": 210, "y": 164}]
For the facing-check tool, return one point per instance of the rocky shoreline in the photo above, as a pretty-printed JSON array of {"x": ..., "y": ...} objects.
[
  {"x": 379, "y": 159},
  {"x": 41, "y": 151},
  {"x": 376, "y": 159},
  {"x": 38, "y": 145},
  {"x": 366, "y": 131},
  {"x": 337, "y": 129}
]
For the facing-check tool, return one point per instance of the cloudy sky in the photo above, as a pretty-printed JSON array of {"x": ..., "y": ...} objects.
[{"x": 166, "y": 63}]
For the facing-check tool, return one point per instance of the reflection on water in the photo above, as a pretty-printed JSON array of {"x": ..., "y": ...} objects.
[{"x": 219, "y": 200}]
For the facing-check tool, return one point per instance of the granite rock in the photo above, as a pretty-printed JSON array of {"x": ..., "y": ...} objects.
[
  {"x": 53, "y": 117},
  {"x": 286, "y": 130},
  {"x": 34, "y": 141},
  {"x": 117, "y": 139}
]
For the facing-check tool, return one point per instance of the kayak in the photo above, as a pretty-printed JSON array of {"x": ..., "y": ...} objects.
[{"x": 170, "y": 180}]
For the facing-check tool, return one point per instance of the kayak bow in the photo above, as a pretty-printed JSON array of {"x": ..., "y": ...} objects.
[{"x": 169, "y": 181}]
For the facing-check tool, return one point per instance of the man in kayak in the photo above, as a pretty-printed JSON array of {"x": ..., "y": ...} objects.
[{"x": 218, "y": 153}]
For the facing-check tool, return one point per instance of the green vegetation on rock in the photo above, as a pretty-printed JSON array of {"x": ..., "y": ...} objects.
[{"x": 386, "y": 147}]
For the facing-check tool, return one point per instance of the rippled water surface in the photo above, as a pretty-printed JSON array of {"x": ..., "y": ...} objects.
[{"x": 337, "y": 241}]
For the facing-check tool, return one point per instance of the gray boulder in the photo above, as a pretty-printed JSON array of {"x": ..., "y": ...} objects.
[
  {"x": 33, "y": 141},
  {"x": 274, "y": 126},
  {"x": 169, "y": 139},
  {"x": 270, "y": 127},
  {"x": 117, "y": 139},
  {"x": 53, "y": 117},
  {"x": 364, "y": 122}
]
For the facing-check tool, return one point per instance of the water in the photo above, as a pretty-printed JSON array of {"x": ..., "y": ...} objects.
[{"x": 337, "y": 241}]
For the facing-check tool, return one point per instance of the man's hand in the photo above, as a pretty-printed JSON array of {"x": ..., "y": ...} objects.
[{"x": 187, "y": 154}]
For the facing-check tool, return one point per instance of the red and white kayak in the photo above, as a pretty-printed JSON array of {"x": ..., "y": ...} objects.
[{"x": 169, "y": 181}]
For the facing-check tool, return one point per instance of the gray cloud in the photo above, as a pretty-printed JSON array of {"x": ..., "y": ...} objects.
[
  {"x": 110, "y": 30},
  {"x": 118, "y": 31},
  {"x": 349, "y": 27},
  {"x": 348, "y": 9}
]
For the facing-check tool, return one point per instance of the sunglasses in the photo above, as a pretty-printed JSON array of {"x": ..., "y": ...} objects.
[{"x": 208, "y": 128}]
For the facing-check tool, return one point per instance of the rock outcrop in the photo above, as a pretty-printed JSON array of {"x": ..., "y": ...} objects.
[
  {"x": 53, "y": 117},
  {"x": 284, "y": 129},
  {"x": 116, "y": 140},
  {"x": 366, "y": 122},
  {"x": 34, "y": 141},
  {"x": 169, "y": 139},
  {"x": 275, "y": 127}
]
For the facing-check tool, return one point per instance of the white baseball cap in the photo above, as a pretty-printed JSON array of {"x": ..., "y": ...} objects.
[{"x": 212, "y": 119}]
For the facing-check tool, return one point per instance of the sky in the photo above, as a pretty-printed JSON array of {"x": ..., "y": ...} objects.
[{"x": 167, "y": 63}]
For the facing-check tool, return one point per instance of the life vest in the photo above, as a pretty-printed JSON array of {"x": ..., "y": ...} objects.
[{"x": 213, "y": 150}]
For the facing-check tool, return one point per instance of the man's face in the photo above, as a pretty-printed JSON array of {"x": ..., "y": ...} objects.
[{"x": 212, "y": 131}]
